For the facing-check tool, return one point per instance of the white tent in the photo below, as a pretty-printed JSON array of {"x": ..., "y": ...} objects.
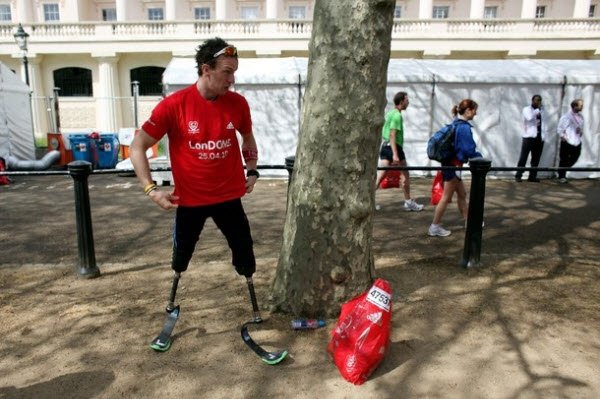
[
  {"x": 274, "y": 88},
  {"x": 16, "y": 129},
  {"x": 501, "y": 88}
]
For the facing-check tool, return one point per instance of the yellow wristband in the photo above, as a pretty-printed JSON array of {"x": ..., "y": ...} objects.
[{"x": 150, "y": 187}]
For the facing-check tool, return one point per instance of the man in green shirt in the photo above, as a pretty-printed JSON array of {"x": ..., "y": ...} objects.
[{"x": 392, "y": 153}]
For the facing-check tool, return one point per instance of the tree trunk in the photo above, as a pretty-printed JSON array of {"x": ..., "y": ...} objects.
[{"x": 326, "y": 255}]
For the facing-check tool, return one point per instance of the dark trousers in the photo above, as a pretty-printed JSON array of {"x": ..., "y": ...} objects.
[
  {"x": 230, "y": 218},
  {"x": 533, "y": 145},
  {"x": 569, "y": 154}
]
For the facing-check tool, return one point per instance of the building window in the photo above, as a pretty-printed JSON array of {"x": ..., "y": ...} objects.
[
  {"x": 441, "y": 12},
  {"x": 202, "y": 13},
  {"x": 592, "y": 12},
  {"x": 249, "y": 12},
  {"x": 540, "y": 11},
  {"x": 490, "y": 12},
  {"x": 297, "y": 12},
  {"x": 74, "y": 82},
  {"x": 398, "y": 12},
  {"x": 5, "y": 12},
  {"x": 51, "y": 12},
  {"x": 155, "y": 14},
  {"x": 150, "y": 79},
  {"x": 109, "y": 14}
]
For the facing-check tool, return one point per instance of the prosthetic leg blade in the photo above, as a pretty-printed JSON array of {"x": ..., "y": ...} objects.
[
  {"x": 267, "y": 357},
  {"x": 271, "y": 358},
  {"x": 162, "y": 343}
]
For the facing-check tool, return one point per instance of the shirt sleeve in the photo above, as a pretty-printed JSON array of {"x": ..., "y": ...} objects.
[
  {"x": 246, "y": 120},
  {"x": 529, "y": 114},
  {"x": 465, "y": 145},
  {"x": 395, "y": 121},
  {"x": 563, "y": 124},
  {"x": 160, "y": 120}
]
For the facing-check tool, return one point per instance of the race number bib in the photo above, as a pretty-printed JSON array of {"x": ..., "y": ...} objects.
[{"x": 379, "y": 298}]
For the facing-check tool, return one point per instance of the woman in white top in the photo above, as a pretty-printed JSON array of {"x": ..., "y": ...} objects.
[{"x": 570, "y": 130}]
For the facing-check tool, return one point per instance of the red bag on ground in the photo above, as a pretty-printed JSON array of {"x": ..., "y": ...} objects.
[
  {"x": 361, "y": 336},
  {"x": 437, "y": 188}
]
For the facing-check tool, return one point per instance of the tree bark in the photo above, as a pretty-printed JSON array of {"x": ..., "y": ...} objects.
[{"x": 326, "y": 255}]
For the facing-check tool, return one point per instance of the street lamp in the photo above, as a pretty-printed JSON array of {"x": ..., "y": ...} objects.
[{"x": 21, "y": 38}]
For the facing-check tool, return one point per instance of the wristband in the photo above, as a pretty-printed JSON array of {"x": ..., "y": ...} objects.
[
  {"x": 252, "y": 172},
  {"x": 149, "y": 188},
  {"x": 250, "y": 154}
]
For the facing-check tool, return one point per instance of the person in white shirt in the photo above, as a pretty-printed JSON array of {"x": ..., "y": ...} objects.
[
  {"x": 570, "y": 130},
  {"x": 534, "y": 132}
]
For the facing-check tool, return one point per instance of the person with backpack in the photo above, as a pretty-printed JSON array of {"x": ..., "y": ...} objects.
[
  {"x": 464, "y": 149},
  {"x": 392, "y": 153}
]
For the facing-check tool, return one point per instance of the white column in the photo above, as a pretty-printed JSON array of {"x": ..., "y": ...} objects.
[
  {"x": 528, "y": 9},
  {"x": 108, "y": 117},
  {"x": 477, "y": 9},
  {"x": 71, "y": 11},
  {"x": 581, "y": 8},
  {"x": 171, "y": 10},
  {"x": 22, "y": 72},
  {"x": 425, "y": 9},
  {"x": 121, "y": 10},
  {"x": 220, "y": 9},
  {"x": 24, "y": 11},
  {"x": 38, "y": 106},
  {"x": 272, "y": 9}
]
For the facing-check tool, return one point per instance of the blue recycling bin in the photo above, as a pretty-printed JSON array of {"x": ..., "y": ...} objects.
[
  {"x": 108, "y": 150},
  {"x": 84, "y": 148}
]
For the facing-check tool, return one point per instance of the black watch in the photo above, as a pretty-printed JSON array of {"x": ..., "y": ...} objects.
[{"x": 252, "y": 172}]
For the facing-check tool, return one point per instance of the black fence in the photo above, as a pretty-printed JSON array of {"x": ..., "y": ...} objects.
[{"x": 479, "y": 168}]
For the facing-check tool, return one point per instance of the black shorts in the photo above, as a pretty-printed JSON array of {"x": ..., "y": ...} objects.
[
  {"x": 230, "y": 218},
  {"x": 386, "y": 152},
  {"x": 449, "y": 174}
]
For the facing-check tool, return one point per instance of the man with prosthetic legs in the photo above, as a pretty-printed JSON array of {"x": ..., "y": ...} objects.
[{"x": 201, "y": 122}]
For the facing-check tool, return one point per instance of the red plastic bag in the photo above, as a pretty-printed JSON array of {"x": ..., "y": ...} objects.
[
  {"x": 437, "y": 188},
  {"x": 361, "y": 336},
  {"x": 391, "y": 179},
  {"x": 4, "y": 180}
]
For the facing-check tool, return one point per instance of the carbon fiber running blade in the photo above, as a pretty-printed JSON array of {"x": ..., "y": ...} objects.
[
  {"x": 271, "y": 358},
  {"x": 162, "y": 343}
]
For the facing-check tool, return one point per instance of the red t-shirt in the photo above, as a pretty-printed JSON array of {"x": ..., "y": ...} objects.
[{"x": 205, "y": 155}]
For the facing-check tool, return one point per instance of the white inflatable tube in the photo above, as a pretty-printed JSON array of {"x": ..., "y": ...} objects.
[{"x": 50, "y": 158}]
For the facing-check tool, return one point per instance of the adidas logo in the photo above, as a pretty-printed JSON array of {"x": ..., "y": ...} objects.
[{"x": 230, "y": 126}]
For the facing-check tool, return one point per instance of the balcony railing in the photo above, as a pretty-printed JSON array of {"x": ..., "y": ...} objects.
[
  {"x": 294, "y": 34},
  {"x": 116, "y": 31}
]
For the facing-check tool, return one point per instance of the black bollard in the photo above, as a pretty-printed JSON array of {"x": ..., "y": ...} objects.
[
  {"x": 79, "y": 171},
  {"x": 472, "y": 251},
  {"x": 289, "y": 166}
]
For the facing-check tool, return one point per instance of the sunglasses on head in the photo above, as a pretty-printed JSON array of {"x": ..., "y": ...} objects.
[{"x": 229, "y": 51}]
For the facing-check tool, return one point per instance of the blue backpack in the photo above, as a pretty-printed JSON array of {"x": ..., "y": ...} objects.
[{"x": 440, "y": 146}]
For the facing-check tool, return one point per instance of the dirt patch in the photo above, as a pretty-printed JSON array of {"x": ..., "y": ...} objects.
[{"x": 525, "y": 325}]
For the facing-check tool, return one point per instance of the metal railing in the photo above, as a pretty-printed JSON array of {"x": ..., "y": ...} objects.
[
  {"x": 278, "y": 33},
  {"x": 479, "y": 168}
]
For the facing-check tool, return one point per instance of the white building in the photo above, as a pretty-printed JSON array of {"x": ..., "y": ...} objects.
[{"x": 94, "y": 49}]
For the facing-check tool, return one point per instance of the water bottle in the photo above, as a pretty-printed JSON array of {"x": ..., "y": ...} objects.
[{"x": 307, "y": 324}]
